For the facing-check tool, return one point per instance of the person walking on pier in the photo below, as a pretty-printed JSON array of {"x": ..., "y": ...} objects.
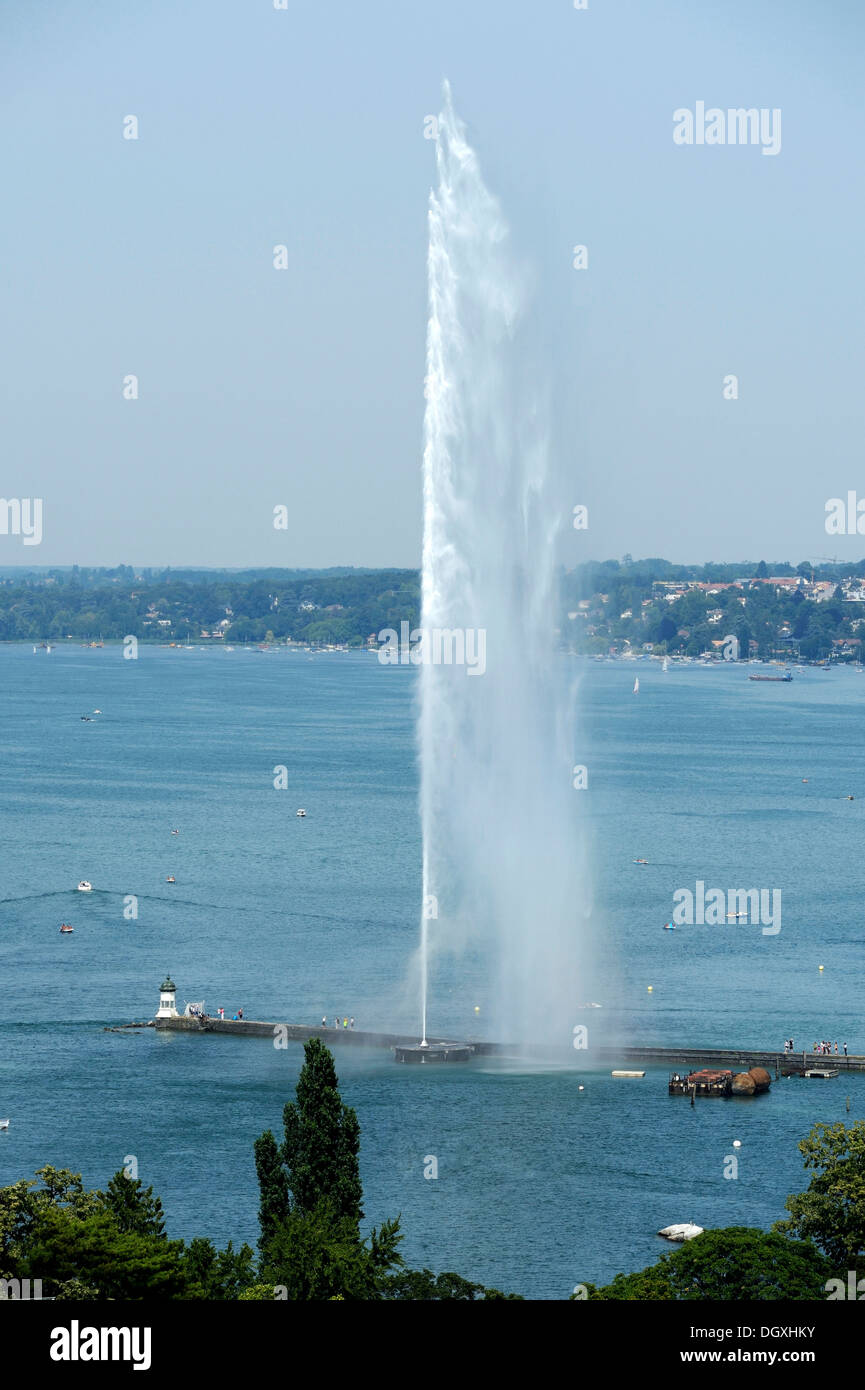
[
  {"x": 351, "y": 1024},
  {"x": 345, "y": 1022},
  {"x": 324, "y": 1022},
  {"x": 845, "y": 1049}
]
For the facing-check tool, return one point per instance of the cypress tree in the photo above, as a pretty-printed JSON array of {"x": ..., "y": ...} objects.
[
  {"x": 322, "y": 1141},
  {"x": 272, "y": 1184}
]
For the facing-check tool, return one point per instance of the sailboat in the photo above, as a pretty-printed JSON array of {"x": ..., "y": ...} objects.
[
  {"x": 636, "y": 685},
  {"x": 665, "y": 666}
]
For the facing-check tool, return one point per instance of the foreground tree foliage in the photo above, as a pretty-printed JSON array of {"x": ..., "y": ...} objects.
[
  {"x": 734, "y": 1263},
  {"x": 108, "y": 1245},
  {"x": 422, "y": 1285},
  {"x": 832, "y": 1211}
]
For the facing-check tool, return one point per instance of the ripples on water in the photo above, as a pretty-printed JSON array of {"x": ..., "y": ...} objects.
[{"x": 540, "y": 1185}]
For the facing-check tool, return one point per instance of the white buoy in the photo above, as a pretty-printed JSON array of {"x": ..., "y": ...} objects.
[{"x": 737, "y": 1143}]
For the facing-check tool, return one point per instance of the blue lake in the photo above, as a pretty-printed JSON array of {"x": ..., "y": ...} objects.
[{"x": 541, "y": 1184}]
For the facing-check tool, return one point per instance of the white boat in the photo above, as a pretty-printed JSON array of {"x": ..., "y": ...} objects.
[
  {"x": 301, "y": 812},
  {"x": 636, "y": 685},
  {"x": 4, "y": 1124},
  {"x": 665, "y": 665},
  {"x": 85, "y": 887},
  {"x": 684, "y": 1231}
]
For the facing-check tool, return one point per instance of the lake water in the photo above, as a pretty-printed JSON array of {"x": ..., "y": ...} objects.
[{"x": 541, "y": 1184}]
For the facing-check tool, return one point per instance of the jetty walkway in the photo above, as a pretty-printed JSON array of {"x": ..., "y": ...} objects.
[{"x": 734, "y": 1059}]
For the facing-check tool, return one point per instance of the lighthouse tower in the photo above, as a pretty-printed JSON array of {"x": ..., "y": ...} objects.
[{"x": 167, "y": 999}]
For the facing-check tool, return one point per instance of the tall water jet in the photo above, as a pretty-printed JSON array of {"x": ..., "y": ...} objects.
[{"x": 503, "y": 866}]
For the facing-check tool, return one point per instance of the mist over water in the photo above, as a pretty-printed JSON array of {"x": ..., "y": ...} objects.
[{"x": 503, "y": 853}]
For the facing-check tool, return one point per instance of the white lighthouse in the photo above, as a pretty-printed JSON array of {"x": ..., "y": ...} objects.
[{"x": 167, "y": 999}]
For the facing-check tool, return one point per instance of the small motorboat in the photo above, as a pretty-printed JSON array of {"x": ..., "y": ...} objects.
[
  {"x": 65, "y": 927},
  {"x": 85, "y": 887},
  {"x": 641, "y": 861},
  {"x": 171, "y": 879},
  {"x": 85, "y": 719},
  {"x": 175, "y": 832},
  {"x": 301, "y": 812},
  {"x": 669, "y": 926},
  {"x": 4, "y": 1124}
]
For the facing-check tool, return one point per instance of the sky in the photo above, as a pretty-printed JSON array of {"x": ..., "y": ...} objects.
[{"x": 302, "y": 387}]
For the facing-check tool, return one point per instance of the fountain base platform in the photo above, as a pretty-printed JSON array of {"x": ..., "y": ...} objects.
[{"x": 434, "y": 1053}]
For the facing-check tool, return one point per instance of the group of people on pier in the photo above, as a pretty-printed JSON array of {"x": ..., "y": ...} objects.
[
  {"x": 346, "y": 1022},
  {"x": 820, "y": 1049}
]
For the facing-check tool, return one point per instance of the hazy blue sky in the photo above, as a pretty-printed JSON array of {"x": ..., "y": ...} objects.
[{"x": 305, "y": 386}]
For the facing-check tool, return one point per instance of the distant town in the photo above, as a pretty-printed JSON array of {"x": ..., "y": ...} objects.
[
  {"x": 615, "y": 608},
  {"x": 772, "y": 612}
]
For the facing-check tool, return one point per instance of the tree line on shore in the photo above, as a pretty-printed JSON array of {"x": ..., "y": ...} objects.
[
  {"x": 112, "y": 1244},
  {"x": 610, "y": 605}
]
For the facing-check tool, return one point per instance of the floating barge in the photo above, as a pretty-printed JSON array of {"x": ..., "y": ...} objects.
[
  {"x": 722, "y": 1082},
  {"x": 701, "y": 1083}
]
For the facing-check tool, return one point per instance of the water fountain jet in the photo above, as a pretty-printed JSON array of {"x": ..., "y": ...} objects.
[{"x": 502, "y": 849}]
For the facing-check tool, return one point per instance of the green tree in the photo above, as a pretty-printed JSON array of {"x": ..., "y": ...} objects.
[
  {"x": 315, "y": 1256},
  {"x": 220, "y": 1274},
  {"x": 421, "y": 1285},
  {"x": 322, "y": 1141},
  {"x": 733, "y": 1263},
  {"x": 273, "y": 1205},
  {"x": 311, "y": 1196},
  {"x": 832, "y": 1210},
  {"x": 133, "y": 1206},
  {"x": 63, "y": 1247}
]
